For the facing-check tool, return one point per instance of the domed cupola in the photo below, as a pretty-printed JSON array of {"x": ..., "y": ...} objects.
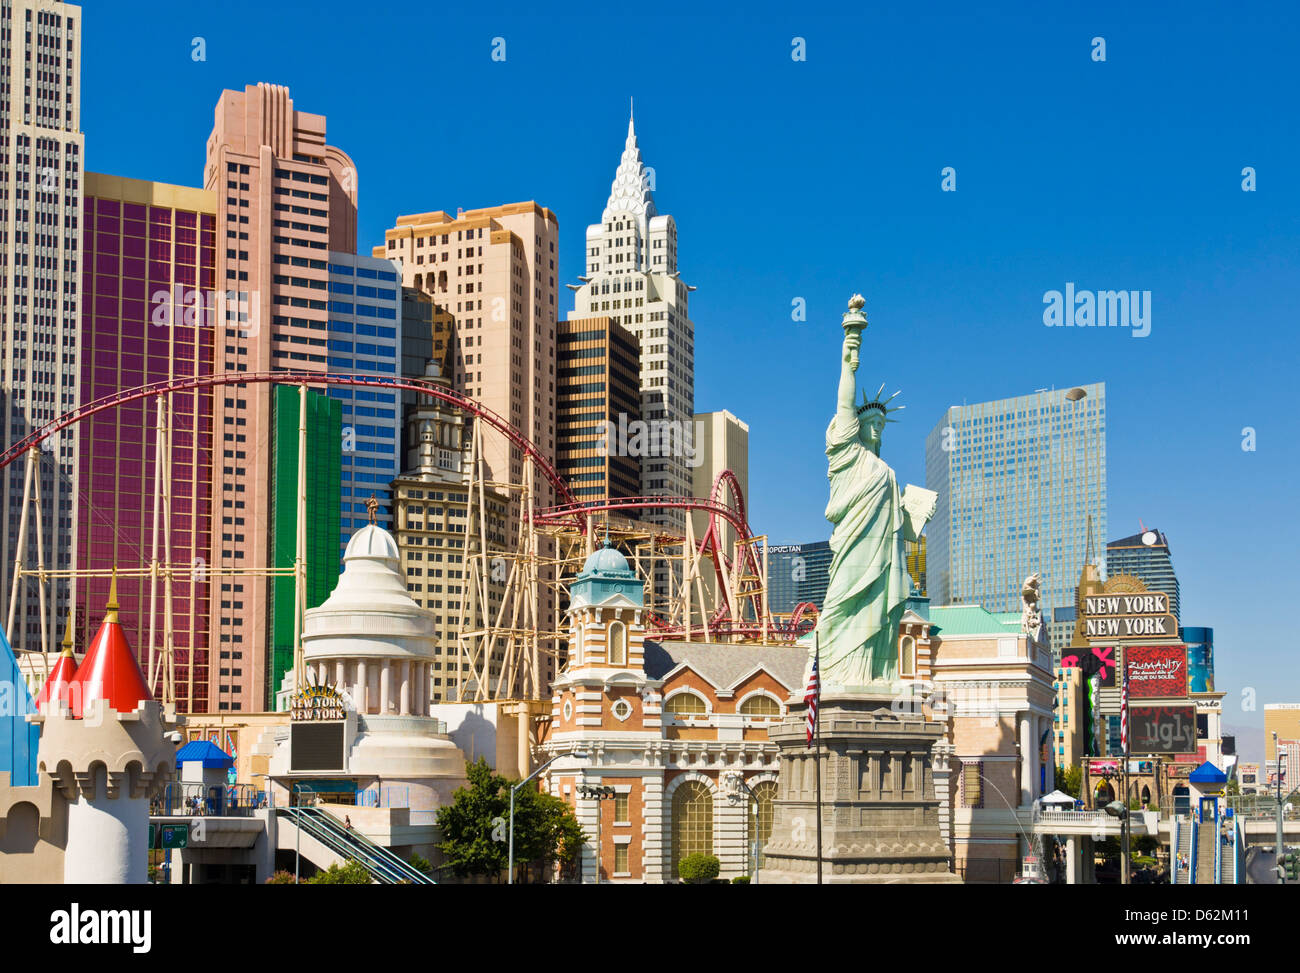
[{"x": 606, "y": 575}]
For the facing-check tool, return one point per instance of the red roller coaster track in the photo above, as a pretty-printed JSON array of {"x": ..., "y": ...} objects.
[{"x": 568, "y": 511}]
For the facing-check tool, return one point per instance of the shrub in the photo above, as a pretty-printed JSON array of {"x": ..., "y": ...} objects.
[
  {"x": 282, "y": 878},
  {"x": 421, "y": 864},
  {"x": 353, "y": 873},
  {"x": 740, "y": 880},
  {"x": 698, "y": 869}
]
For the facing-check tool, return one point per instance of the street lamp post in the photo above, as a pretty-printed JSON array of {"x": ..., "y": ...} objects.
[
  {"x": 599, "y": 794},
  {"x": 1277, "y": 773},
  {"x": 510, "y": 875},
  {"x": 736, "y": 786}
]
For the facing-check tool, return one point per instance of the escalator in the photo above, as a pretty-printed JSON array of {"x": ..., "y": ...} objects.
[{"x": 384, "y": 867}]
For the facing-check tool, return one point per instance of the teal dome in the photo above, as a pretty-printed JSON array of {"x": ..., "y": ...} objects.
[{"x": 606, "y": 560}]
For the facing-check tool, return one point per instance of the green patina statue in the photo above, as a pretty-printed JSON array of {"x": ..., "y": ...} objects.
[{"x": 857, "y": 630}]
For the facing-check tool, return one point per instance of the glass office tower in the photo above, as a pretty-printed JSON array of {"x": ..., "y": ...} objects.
[{"x": 1019, "y": 480}]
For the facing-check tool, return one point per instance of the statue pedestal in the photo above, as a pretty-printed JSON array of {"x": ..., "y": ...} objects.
[{"x": 880, "y": 816}]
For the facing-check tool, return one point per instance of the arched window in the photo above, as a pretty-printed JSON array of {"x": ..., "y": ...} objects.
[
  {"x": 907, "y": 656},
  {"x": 686, "y": 704},
  {"x": 617, "y": 644},
  {"x": 760, "y": 705},
  {"x": 692, "y": 821},
  {"x": 762, "y": 810},
  {"x": 575, "y": 653}
]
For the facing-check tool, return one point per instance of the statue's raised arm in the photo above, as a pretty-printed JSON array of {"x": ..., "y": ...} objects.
[{"x": 854, "y": 323}]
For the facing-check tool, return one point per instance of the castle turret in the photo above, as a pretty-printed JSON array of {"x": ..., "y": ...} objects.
[
  {"x": 103, "y": 747},
  {"x": 60, "y": 678}
]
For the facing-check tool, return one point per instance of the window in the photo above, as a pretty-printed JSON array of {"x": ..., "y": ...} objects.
[
  {"x": 760, "y": 705},
  {"x": 621, "y": 802},
  {"x": 620, "y": 860},
  {"x": 617, "y": 644},
  {"x": 972, "y": 784},
  {"x": 762, "y": 810},
  {"x": 907, "y": 656},
  {"x": 692, "y": 821},
  {"x": 686, "y": 704},
  {"x": 621, "y": 709}
]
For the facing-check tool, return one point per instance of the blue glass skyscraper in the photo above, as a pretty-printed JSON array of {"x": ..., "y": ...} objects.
[
  {"x": 364, "y": 338},
  {"x": 1018, "y": 480}
]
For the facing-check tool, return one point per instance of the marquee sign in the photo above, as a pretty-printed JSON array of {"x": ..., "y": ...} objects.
[
  {"x": 317, "y": 704},
  {"x": 1140, "y": 615},
  {"x": 1162, "y": 729},
  {"x": 1156, "y": 670}
]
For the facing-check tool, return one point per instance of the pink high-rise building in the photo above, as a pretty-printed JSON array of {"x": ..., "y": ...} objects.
[{"x": 284, "y": 199}]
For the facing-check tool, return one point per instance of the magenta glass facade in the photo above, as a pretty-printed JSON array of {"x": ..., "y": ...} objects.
[{"x": 143, "y": 269}]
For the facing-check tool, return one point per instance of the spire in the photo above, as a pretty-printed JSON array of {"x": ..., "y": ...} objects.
[
  {"x": 630, "y": 191},
  {"x": 109, "y": 670},
  {"x": 61, "y": 676},
  {"x": 112, "y": 608},
  {"x": 631, "y": 119},
  {"x": 67, "y": 635}
]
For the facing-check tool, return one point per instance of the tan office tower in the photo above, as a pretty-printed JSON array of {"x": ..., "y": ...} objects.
[
  {"x": 432, "y": 509},
  {"x": 632, "y": 276},
  {"x": 598, "y": 399},
  {"x": 41, "y": 159},
  {"x": 491, "y": 273},
  {"x": 721, "y": 442},
  {"x": 285, "y": 199}
]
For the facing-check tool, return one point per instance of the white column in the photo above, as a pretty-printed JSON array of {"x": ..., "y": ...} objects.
[
  {"x": 338, "y": 674},
  {"x": 360, "y": 693},
  {"x": 404, "y": 688},
  {"x": 1026, "y": 761},
  {"x": 1072, "y": 861},
  {"x": 385, "y": 687}
]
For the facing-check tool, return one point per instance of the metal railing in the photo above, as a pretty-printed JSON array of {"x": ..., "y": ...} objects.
[
  {"x": 208, "y": 800},
  {"x": 384, "y": 866}
]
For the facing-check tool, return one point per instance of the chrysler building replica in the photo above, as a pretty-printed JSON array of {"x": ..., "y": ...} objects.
[{"x": 632, "y": 277}]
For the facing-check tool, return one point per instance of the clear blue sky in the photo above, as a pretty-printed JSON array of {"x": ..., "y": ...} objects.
[{"x": 820, "y": 178}]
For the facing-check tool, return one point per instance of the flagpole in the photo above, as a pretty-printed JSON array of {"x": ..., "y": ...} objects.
[
  {"x": 1124, "y": 821},
  {"x": 817, "y": 737}
]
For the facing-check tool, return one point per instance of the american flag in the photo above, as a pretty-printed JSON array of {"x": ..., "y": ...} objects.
[
  {"x": 1123, "y": 711},
  {"x": 811, "y": 695}
]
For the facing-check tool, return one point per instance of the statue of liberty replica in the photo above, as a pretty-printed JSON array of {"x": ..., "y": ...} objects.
[
  {"x": 857, "y": 800},
  {"x": 858, "y": 627}
]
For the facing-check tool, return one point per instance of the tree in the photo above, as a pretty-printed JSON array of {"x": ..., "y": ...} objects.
[
  {"x": 470, "y": 825},
  {"x": 475, "y": 826},
  {"x": 353, "y": 873},
  {"x": 546, "y": 831},
  {"x": 698, "y": 869},
  {"x": 1069, "y": 780}
]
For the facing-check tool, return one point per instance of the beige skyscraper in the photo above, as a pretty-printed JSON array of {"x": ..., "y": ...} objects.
[
  {"x": 285, "y": 200},
  {"x": 42, "y": 152},
  {"x": 431, "y": 498},
  {"x": 632, "y": 276},
  {"x": 491, "y": 274},
  {"x": 721, "y": 442}
]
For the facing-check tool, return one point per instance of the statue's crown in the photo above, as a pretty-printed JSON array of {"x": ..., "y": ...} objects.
[{"x": 880, "y": 405}]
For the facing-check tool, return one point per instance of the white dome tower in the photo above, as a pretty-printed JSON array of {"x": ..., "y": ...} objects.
[{"x": 370, "y": 640}]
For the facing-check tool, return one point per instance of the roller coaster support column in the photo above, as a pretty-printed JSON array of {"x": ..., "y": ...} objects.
[
  {"x": 153, "y": 551},
  {"x": 300, "y": 547},
  {"x": 169, "y": 633},
  {"x": 40, "y": 561},
  {"x": 21, "y": 550}
]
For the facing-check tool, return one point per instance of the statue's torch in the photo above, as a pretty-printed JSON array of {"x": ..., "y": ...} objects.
[{"x": 855, "y": 321}]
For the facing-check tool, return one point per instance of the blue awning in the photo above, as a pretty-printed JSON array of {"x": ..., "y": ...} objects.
[
  {"x": 1207, "y": 773},
  {"x": 205, "y": 752}
]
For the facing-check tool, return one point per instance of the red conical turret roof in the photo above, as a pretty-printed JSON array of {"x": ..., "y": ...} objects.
[
  {"x": 61, "y": 676},
  {"x": 109, "y": 670}
]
